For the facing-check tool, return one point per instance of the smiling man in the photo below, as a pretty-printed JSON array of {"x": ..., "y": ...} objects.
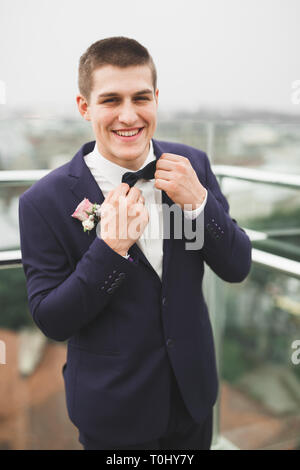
[{"x": 141, "y": 370}]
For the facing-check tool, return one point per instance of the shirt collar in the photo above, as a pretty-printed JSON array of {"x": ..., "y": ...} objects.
[{"x": 110, "y": 170}]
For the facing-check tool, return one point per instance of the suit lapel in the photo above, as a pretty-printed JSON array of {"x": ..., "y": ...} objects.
[
  {"x": 166, "y": 202},
  {"x": 83, "y": 185}
]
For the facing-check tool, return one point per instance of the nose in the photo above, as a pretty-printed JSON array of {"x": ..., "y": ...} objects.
[{"x": 127, "y": 114}]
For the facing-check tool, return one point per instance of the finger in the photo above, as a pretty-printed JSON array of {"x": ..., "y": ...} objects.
[
  {"x": 133, "y": 194},
  {"x": 164, "y": 164},
  {"x": 119, "y": 191},
  {"x": 172, "y": 157},
  {"x": 164, "y": 185},
  {"x": 164, "y": 175},
  {"x": 109, "y": 195},
  {"x": 141, "y": 199},
  {"x": 136, "y": 209},
  {"x": 178, "y": 163}
]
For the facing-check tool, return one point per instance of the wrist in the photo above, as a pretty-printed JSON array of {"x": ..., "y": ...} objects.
[
  {"x": 199, "y": 200},
  {"x": 122, "y": 253},
  {"x": 120, "y": 250}
]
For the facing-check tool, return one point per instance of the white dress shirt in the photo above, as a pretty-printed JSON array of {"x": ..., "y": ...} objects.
[{"x": 108, "y": 176}]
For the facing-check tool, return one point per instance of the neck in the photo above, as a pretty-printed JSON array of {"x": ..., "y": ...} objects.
[{"x": 132, "y": 165}]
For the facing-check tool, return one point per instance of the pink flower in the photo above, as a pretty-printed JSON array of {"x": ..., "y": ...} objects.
[{"x": 81, "y": 211}]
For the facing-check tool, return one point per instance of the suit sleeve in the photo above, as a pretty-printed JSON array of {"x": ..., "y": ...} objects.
[
  {"x": 62, "y": 300},
  {"x": 227, "y": 248}
]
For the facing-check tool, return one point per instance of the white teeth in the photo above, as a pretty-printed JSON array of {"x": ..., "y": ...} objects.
[{"x": 128, "y": 133}]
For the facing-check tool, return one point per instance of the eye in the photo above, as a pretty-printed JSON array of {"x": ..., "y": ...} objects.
[
  {"x": 110, "y": 100},
  {"x": 142, "y": 98}
]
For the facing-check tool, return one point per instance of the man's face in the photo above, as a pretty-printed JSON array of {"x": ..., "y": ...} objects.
[{"x": 123, "y": 101}]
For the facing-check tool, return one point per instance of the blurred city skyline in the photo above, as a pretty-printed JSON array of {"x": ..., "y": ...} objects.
[{"x": 208, "y": 53}]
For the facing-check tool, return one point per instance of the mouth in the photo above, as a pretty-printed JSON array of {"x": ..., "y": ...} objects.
[{"x": 129, "y": 135}]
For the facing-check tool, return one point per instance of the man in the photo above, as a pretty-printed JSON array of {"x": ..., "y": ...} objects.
[{"x": 140, "y": 370}]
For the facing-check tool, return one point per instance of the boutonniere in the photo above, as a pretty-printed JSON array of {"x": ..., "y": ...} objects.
[{"x": 88, "y": 214}]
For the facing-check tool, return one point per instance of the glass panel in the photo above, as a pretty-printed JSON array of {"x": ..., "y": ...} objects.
[
  {"x": 33, "y": 412},
  {"x": 30, "y": 142},
  {"x": 260, "y": 392},
  {"x": 9, "y": 223},
  {"x": 272, "y": 210},
  {"x": 266, "y": 142}
]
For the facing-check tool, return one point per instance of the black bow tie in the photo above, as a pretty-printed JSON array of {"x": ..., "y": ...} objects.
[{"x": 147, "y": 173}]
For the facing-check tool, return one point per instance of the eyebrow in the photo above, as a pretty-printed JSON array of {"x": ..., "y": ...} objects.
[{"x": 147, "y": 91}]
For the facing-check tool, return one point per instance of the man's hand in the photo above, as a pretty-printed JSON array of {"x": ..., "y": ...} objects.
[
  {"x": 176, "y": 176},
  {"x": 123, "y": 218}
]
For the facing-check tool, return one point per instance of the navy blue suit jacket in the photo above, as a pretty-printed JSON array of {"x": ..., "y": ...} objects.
[{"x": 125, "y": 327}]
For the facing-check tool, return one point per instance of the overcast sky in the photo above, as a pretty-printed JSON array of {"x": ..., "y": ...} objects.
[{"x": 209, "y": 53}]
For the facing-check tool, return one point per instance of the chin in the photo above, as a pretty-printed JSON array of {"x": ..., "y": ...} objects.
[
  {"x": 131, "y": 153},
  {"x": 129, "y": 157}
]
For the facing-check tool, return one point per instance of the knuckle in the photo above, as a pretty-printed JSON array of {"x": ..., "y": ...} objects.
[
  {"x": 173, "y": 186},
  {"x": 176, "y": 177},
  {"x": 135, "y": 191},
  {"x": 180, "y": 167}
]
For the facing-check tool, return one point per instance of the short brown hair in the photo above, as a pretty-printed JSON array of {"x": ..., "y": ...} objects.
[{"x": 119, "y": 51}]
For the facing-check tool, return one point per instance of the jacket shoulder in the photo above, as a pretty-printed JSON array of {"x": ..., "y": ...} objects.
[
  {"x": 197, "y": 157},
  {"x": 51, "y": 183}
]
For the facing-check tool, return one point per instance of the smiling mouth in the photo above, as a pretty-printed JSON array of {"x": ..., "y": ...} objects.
[{"x": 130, "y": 134}]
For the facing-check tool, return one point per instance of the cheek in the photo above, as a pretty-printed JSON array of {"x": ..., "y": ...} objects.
[
  {"x": 101, "y": 120},
  {"x": 150, "y": 117}
]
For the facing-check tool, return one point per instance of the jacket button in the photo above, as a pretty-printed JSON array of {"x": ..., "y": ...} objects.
[
  {"x": 121, "y": 276},
  {"x": 110, "y": 291},
  {"x": 164, "y": 301},
  {"x": 114, "y": 284},
  {"x": 170, "y": 343}
]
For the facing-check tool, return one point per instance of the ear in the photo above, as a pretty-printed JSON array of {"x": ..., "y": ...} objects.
[
  {"x": 156, "y": 95},
  {"x": 83, "y": 107}
]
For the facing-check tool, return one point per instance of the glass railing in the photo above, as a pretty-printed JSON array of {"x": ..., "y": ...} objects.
[{"x": 255, "y": 324}]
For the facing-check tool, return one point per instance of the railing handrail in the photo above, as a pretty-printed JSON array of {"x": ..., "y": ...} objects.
[
  {"x": 13, "y": 258},
  {"x": 257, "y": 176},
  {"x": 13, "y": 177},
  {"x": 222, "y": 171}
]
